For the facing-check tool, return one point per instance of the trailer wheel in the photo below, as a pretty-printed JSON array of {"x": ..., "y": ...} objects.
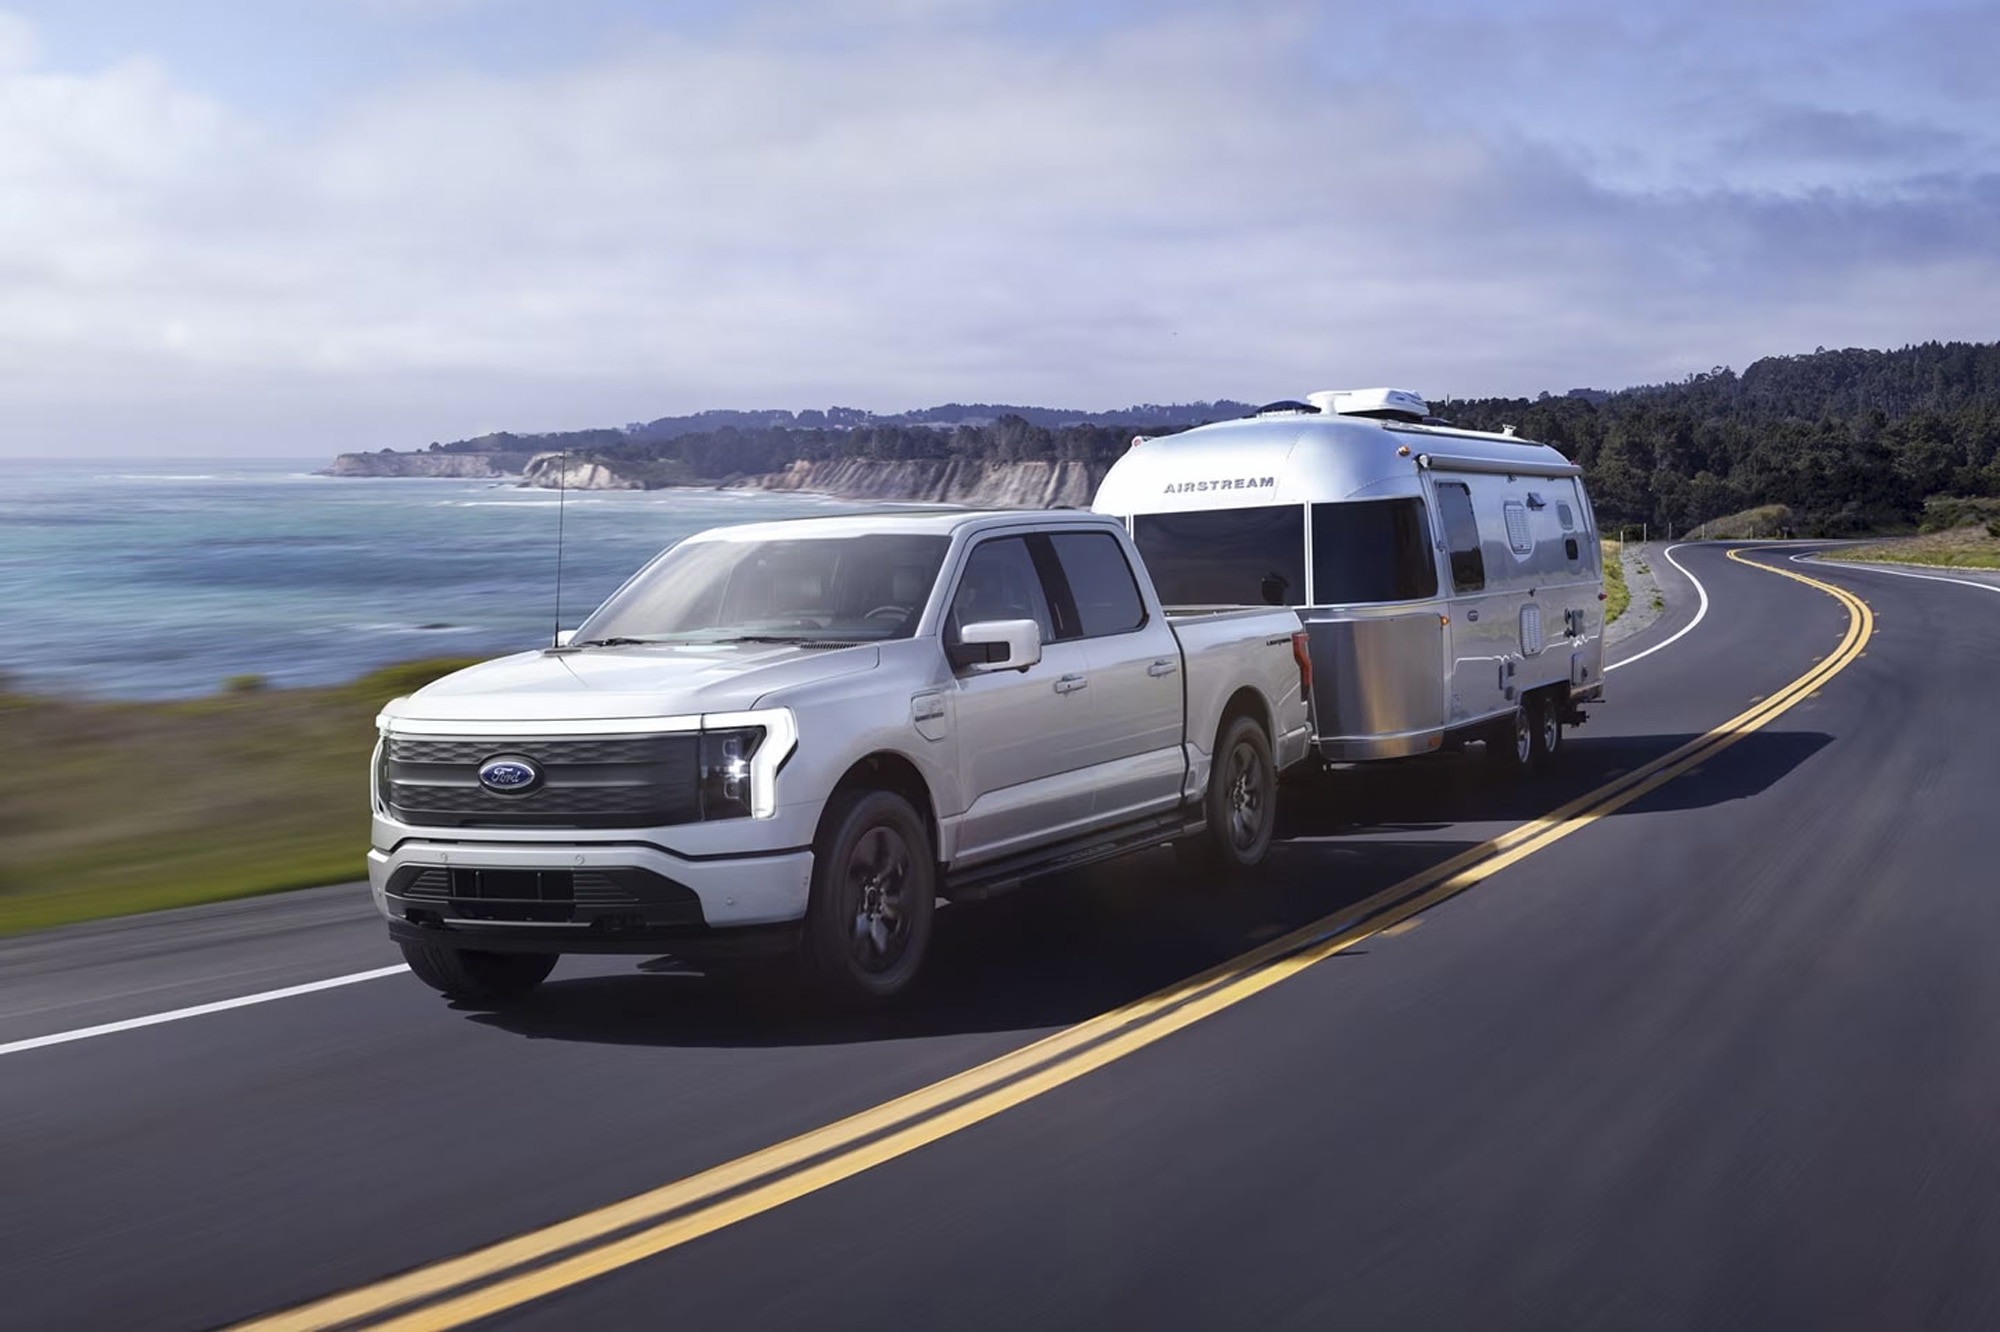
[
  {"x": 874, "y": 892},
  {"x": 483, "y": 980},
  {"x": 1510, "y": 744},
  {"x": 1548, "y": 727},
  {"x": 1240, "y": 809}
]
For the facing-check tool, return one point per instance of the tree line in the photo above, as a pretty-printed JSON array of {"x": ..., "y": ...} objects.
[{"x": 1850, "y": 440}]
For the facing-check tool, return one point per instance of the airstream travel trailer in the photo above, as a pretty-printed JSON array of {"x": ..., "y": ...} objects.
[{"x": 1449, "y": 580}]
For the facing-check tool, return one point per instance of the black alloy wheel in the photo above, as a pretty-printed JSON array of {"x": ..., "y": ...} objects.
[
  {"x": 1241, "y": 805},
  {"x": 874, "y": 893}
]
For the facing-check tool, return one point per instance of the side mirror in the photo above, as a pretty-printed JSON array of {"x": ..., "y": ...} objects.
[
  {"x": 997, "y": 645},
  {"x": 563, "y": 636}
]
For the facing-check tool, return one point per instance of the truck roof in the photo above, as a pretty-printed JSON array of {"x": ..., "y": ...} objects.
[
  {"x": 1296, "y": 457},
  {"x": 917, "y": 522}
]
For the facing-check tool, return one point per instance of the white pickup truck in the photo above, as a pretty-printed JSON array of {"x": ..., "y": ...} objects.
[{"x": 798, "y": 736}]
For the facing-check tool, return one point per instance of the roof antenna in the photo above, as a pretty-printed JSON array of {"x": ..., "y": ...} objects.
[{"x": 562, "y": 496}]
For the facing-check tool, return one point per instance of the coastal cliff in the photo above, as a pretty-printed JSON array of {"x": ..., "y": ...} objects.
[
  {"x": 556, "y": 471},
  {"x": 480, "y": 465},
  {"x": 1036, "y": 484},
  {"x": 1031, "y": 484}
]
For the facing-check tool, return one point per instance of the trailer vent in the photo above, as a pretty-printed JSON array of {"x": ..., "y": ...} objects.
[
  {"x": 1519, "y": 539},
  {"x": 1531, "y": 630}
]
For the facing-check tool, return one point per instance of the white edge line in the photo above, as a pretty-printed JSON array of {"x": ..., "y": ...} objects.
[
  {"x": 1897, "y": 573},
  {"x": 198, "y": 1010},
  {"x": 1685, "y": 629}
]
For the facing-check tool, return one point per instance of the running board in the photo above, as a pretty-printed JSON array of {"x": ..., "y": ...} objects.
[{"x": 982, "y": 881}]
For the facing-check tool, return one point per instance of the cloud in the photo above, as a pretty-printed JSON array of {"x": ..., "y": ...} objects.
[{"x": 938, "y": 208}]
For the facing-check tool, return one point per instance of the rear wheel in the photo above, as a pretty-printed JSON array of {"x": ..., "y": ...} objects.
[
  {"x": 874, "y": 892},
  {"x": 1241, "y": 806},
  {"x": 482, "y": 979}
]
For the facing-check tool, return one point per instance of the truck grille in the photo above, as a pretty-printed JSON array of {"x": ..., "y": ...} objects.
[{"x": 584, "y": 783}]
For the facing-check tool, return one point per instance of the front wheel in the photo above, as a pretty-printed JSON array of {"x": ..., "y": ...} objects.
[
  {"x": 1510, "y": 745},
  {"x": 1548, "y": 728},
  {"x": 1241, "y": 805},
  {"x": 484, "y": 980},
  {"x": 874, "y": 892}
]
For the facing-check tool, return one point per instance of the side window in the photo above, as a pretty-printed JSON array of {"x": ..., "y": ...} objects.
[
  {"x": 1519, "y": 539},
  {"x": 1461, "y": 537},
  {"x": 999, "y": 583},
  {"x": 1100, "y": 583}
]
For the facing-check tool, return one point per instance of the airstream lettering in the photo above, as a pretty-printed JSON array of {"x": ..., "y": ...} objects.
[
  {"x": 1225, "y": 483},
  {"x": 1449, "y": 580}
]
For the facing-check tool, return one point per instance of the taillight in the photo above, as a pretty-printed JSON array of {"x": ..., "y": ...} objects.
[{"x": 1305, "y": 661}]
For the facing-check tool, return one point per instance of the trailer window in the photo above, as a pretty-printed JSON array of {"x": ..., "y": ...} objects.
[
  {"x": 1226, "y": 557},
  {"x": 1461, "y": 536},
  {"x": 1372, "y": 550}
]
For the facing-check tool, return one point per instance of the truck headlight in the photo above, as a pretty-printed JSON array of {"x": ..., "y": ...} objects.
[
  {"x": 727, "y": 781},
  {"x": 741, "y": 753}
]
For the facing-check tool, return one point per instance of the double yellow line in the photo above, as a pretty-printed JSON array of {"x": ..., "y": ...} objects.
[{"x": 456, "y": 1291}]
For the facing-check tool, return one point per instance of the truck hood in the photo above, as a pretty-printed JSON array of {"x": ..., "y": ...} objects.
[{"x": 640, "y": 681}]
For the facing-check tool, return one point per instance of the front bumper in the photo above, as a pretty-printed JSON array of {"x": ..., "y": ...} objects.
[{"x": 601, "y": 897}]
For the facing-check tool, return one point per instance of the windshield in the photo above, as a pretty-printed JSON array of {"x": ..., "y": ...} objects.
[{"x": 846, "y": 589}]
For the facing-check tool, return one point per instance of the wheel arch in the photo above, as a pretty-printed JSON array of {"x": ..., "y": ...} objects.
[
  {"x": 1247, "y": 701},
  {"x": 886, "y": 770}
]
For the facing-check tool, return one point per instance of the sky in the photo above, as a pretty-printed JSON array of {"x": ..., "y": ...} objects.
[{"x": 310, "y": 226}]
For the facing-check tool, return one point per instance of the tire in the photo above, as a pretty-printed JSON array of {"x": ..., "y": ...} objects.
[
  {"x": 1546, "y": 719},
  {"x": 1510, "y": 745},
  {"x": 874, "y": 893},
  {"x": 484, "y": 980},
  {"x": 1240, "y": 808}
]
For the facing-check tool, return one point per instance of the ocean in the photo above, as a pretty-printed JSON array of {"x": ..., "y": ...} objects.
[{"x": 151, "y": 579}]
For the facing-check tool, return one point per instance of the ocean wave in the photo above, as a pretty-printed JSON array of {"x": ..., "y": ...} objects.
[
  {"x": 405, "y": 628},
  {"x": 505, "y": 504}
]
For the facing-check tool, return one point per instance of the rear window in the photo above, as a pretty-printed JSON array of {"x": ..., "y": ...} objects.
[
  {"x": 1226, "y": 557},
  {"x": 1372, "y": 550}
]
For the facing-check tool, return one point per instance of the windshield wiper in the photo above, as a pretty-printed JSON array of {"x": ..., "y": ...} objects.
[
  {"x": 792, "y": 640},
  {"x": 612, "y": 642}
]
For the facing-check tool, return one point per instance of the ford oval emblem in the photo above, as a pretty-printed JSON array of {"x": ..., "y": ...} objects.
[{"x": 510, "y": 774}]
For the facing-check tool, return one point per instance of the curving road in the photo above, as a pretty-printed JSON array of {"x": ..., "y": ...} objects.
[{"x": 1710, "y": 1036}]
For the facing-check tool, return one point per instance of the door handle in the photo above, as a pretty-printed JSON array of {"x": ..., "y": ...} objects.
[
  {"x": 1164, "y": 666},
  {"x": 1069, "y": 684}
]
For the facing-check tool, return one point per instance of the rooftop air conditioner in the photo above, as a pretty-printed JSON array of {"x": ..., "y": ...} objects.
[{"x": 1384, "y": 403}]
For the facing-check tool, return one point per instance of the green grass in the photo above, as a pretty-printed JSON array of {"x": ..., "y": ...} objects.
[
  {"x": 1972, "y": 547},
  {"x": 138, "y": 806},
  {"x": 1617, "y": 596}
]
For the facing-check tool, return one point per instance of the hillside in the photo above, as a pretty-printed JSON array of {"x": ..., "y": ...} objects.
[{"x": 1849, "y": 441}]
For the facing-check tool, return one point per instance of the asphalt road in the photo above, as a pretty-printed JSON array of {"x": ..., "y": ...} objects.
[{"x": 1727, "y": 1054}]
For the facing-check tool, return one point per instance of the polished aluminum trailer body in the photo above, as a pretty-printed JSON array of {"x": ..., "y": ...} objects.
[{"x": 1447, "y": 578}]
